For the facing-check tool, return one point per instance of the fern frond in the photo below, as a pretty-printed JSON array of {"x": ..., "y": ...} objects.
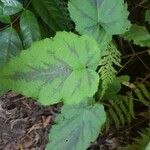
[
  {"x": 122, "y": 109},
  {"x": 142, "y": 94},
  {"x": 107, "y": 71},
  {"x": 140, "y": 142}
]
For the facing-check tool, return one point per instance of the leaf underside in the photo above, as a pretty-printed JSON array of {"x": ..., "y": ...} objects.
[
  {"x": 76, "y": 127},
  {"x": 53, "y": 69}
]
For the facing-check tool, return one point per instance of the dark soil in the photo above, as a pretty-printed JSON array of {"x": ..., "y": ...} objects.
[{"x": 24, "y": 123}]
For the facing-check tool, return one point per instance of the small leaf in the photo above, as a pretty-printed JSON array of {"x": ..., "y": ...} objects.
[
  {"x": 52, "y": 69},
  {"x": 139, "y": 35},
  {"x": 76, "y": 127},
  {"x": 10, "y": 45},
  {"x": 147, "y": 16},
  {"x": 29, "y": 28},
  {"x": 11, "y": 7},
  {"x": 52, "y": 13},
  {"x": 99, "y": 17}
]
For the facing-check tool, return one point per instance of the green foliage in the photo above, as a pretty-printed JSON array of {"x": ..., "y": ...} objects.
[
  {"x": 10, "y": 45},
  {"x": 141, "y": 142},
  {"x": 139, "y": 35},
  {"x": 99, "y": 17},
  {"x": 52, "y": 13},
  {"x": 3, "y": 18},
  {"x": 102, "y": 19},
  {"x": 68, "y": 67},
  {"x": 107, "y": 71},
  {"x": 142, "y": 94},
  {"x": 29, "y": 28},
  {"x": 148, "y": 146},
  {"x": 11, "y": 7},
  {"x": 121, "y": 108},
  {"x": 147, "y": 16},
  {"x": 76, "y": 127},
  {"x": 63, "y": 67}
]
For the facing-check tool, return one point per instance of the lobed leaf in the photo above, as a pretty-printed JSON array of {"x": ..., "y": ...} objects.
[
  {"x": 29, "y": 28},
  {"x": 99, "y": 18},
  {"x": 76, "y": 127},
  {"x": 52, "y": 69}
]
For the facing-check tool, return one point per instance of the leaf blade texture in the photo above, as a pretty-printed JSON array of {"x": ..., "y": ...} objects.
[
  {"x": 63, "y": 68},
  {"x": 76, "y": 127},
  {"x": 99, "y": 17}
]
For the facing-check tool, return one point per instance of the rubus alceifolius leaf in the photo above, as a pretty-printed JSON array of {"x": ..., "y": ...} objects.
[
  {"x": 99, "y": 17},
  {"x": 76, "y": 127},
  {"x": 52, "y": 69}
]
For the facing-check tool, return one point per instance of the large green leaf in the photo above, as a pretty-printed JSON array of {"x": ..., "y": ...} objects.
[
  {"x": 10, "y": 45},
  {"x": 11, "y": 7},
  {"x": 99, "y": 17},
  {"x": 29, "y": 28},
  {"x": 52, "y": 13},
  {"x": 76, "y": 127},
  {"x": 63, "y": 67},
  {"x": 139, "y": 35}
]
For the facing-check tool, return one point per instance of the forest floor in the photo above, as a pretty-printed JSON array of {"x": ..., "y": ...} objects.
[{"x": 24, "y": 124}]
